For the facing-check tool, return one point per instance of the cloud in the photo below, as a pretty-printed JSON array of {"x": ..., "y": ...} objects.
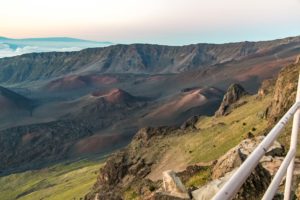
[{"x": 7, "y": 51}]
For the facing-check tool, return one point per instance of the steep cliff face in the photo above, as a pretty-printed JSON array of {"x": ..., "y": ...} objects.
[{"x": 284, "y": 92}]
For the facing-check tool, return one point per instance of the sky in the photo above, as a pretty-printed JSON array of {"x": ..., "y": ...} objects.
[{"x": 172, "y": 22}]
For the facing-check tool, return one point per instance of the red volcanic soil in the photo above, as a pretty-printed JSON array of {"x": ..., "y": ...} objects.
[
  {"x": 98, "y": 94},
  {"x": 187, "y": 100},
  {"x": 264, "y": 69},
  {"x": 115, "y": 96},
  {"x": 96, "y": 143},
  {"x": 76, "y": 82}
]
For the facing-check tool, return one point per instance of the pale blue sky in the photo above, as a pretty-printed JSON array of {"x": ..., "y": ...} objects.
[{"x": 173, "y": 22}]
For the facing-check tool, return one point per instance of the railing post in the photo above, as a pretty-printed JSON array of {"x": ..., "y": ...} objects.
[{"x": 293, "y": 144}]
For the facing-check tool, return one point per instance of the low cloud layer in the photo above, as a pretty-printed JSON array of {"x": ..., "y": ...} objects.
[{"x": 7, "y": 51}]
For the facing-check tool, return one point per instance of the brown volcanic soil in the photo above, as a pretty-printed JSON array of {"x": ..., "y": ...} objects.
[
  {"x": 72, "y": 82},
  {"x": 175, "y": 108},
  {"x": 249, "y": 71},
  {"x": 97, "y": 143}
]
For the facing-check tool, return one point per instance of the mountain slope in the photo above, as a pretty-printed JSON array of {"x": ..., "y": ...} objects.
[
  {"x": 136, "y": 171},
  {"x": 192, "y": 152},
  {"x": 136, "y": 58},
  {"x": 11, "y": 101}
]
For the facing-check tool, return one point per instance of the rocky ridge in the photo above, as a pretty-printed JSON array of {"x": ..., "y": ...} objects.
[
  {"x": 284, "y": 92},
  {"x": 233, "y": 94},
  {"x": 135, "y": 58}
]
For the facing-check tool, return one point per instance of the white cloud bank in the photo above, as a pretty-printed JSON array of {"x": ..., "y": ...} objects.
[
  {"x": 7, "y": 51},
  {"x": 14, "y": 47}
]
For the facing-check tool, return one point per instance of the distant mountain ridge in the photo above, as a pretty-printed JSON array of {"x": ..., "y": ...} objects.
[{"x": 136, "y": 59}]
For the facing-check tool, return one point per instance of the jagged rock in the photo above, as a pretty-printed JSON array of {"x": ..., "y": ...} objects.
[
  {"x": 259, "y": 179},
  {"x": 233, "y": 94},
  {"x": 284, "y": 93},
  {"x": 127, "y": 169},
  {"x": 190, "y": 123},
  {"x": 114, "y": 170},
  {"x": 173, "y": 185}
]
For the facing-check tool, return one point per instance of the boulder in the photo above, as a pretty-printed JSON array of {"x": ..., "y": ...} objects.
[
  {"x": 256, "y": 183},
  {"x": 237, "y": 155},
  {"x": 173, "y": 185}
]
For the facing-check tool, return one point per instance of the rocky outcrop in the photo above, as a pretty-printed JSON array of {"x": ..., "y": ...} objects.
[
  {"x": 190, "y": 123},
  {"x": 258, "y": 181},
  {"x": 233, "y": 94},
  {"x": 127, "y": 169},
  {"x": 234, "y": 157},
  {"x": 173, "y": 185},
  {"x": 284, "y": 92}
]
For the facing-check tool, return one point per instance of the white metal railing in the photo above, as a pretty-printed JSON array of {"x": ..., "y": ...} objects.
[{"x": 232, "y": 186}]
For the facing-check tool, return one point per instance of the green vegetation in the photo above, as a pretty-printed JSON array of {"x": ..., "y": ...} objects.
[
  {"x": 70, "y": 180},
  {"x": 200, "y": 179},
  {"x": 212, "y": 139},
  {"x": 130, "y": 194},
  {"x": 215, "y": 136}
]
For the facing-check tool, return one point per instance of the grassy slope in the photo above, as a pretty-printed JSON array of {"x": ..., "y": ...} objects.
[
  {"x": 213, "y": 138},
  {"x": 61, "y": 181}
]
